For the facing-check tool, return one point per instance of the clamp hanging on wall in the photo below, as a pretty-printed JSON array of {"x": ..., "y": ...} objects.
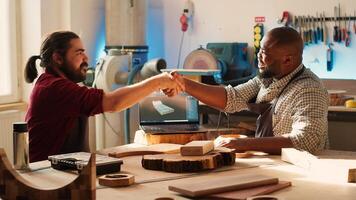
[{"x": 285, "y": 20}]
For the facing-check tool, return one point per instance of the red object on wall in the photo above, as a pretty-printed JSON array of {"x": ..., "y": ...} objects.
[{"x": 184, "y": 22}]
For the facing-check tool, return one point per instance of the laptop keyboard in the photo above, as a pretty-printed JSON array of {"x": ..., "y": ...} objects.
[{"x": 171, "y": 127}]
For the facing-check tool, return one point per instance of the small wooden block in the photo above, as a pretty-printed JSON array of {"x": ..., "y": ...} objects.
[
  {"x": 116, "y": 180},
  {"x": 352, "y": 176},
  {"x": 197, "y": 148}
]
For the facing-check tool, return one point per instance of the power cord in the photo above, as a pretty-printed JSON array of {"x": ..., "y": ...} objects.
[
  {"x": 109, "y": 124},
  {"x": 219, "y": 120},
  {"x": 180, "y": 49},
  {"x": 100, "y": 64}
]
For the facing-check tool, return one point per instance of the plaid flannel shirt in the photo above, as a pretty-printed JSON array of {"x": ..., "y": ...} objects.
[{"x": 301, "y": 109}]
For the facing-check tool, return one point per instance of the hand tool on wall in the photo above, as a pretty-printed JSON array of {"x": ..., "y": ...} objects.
[
  {"x": 354, "y": 22},
  {"x": 305, "y": 30},
  {"x": 339, "y": 18},
  {"x": 325, "y": 31},
  {"x": 318, "y": 29},
  {"x": 321, "y": 28},
  {"x": 343, "y": 30},
  {"x": 285, "y": 20},
  {"x": 329, "y": 58},
  {"x": 315, "y": 31},
  {"x": 300, "y": 27},
  {"x": 296, "y": 23},
  {"x": 348, "y": 33},
  {"x": 336, "y": 28},
  {"x": 311, "y": 33}
]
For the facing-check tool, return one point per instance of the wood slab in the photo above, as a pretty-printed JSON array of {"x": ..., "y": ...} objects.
[
  {"x": 141, "y": 137},
  {"x": 202, "y": 187},
  {"x": 249, "y": 192},
  {"x": 178, "y": 164},
  {"x": 14, "y": 186},
  {"x": 197, "y": 148}
]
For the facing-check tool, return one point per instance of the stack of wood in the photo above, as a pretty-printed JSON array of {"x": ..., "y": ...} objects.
[
  {"x": 193, "y": 157},
  {"x": 338, "y": 97}
]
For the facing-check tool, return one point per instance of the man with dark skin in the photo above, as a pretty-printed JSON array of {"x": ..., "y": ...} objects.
[{"x": 291, "y": 101}]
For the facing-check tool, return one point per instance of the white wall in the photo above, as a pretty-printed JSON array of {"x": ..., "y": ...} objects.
[
  {"x": 233, "y": 20},
  {"x": 30, "y": 23}
]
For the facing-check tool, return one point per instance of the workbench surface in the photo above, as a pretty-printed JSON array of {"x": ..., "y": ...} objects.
[{"x": 328, "y": 182}]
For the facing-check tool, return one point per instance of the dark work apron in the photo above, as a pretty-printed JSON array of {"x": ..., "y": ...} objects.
[{"x": 265, "y": 110}]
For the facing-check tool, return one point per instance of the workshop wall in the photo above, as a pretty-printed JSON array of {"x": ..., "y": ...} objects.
[{"x": 233, "y": 21}]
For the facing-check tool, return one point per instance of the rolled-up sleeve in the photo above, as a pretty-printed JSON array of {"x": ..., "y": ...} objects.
[{"x": 237, "y": 97}]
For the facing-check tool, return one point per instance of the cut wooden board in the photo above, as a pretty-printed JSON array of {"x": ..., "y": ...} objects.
[
  {"x": 203, "y": 187},
  {"x": 178, "y": 164},
  {"x": 249, "y": 192},
  {"x": 135, "y": 149},
  {"x": 197, "y": 148}
]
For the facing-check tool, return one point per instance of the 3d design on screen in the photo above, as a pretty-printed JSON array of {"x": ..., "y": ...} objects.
[{"x": 161, "y": 108}]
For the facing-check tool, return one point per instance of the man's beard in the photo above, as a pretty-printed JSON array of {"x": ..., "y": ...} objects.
[
  {"x": 269, "y": 71},
  {"x": 74, "y": 75}
]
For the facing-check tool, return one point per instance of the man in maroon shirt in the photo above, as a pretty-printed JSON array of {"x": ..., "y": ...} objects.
[{"x": 59, "y": 108}]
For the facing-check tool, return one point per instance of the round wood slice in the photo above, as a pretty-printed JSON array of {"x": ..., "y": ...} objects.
[{"x": 178, "y": 164}]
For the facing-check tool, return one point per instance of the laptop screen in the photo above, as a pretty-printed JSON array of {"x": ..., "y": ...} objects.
[{"x": 160, "y": 109}]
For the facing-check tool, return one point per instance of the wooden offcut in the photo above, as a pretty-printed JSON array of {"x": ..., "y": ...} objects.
[
  {"x": 352, "y": 176},
  {"x": 178, "y": 164},
  {"x": 202, "y": 187},
  {"x": 14, "y": 186},
  {"x": 117, "y": 180},
  {"x": 197, "y": 148}
]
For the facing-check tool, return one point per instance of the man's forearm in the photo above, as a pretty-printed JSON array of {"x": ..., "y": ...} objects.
[
  {"x": 125, "y": 97},
  {"x": 211, "y": 95},
  {"x": 271, "y": 145}
]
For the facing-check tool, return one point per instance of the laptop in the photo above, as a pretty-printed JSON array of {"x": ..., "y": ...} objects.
[{"x": 161, "y": 114}]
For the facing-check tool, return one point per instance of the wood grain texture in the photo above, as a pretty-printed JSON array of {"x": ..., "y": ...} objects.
[
  {"x": 351, "y": 176},
  {"x": 148, "y": 139},
  {"x": 117, "y": 180},
  {"x": 135, "y": 149},
  {"x": 197, "y": 148},
  {"x": 249, "y": 192},
  {"x": 202, "y": 187},
  {"x": 179, "y": 164},
  {"x": 14, "y": 186}
]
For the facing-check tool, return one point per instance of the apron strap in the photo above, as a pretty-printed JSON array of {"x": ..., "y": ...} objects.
[{"x": 264, "y": 122}]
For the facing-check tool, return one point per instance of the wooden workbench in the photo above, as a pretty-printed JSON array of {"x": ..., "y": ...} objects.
[{"x": 306, "y": 184}]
